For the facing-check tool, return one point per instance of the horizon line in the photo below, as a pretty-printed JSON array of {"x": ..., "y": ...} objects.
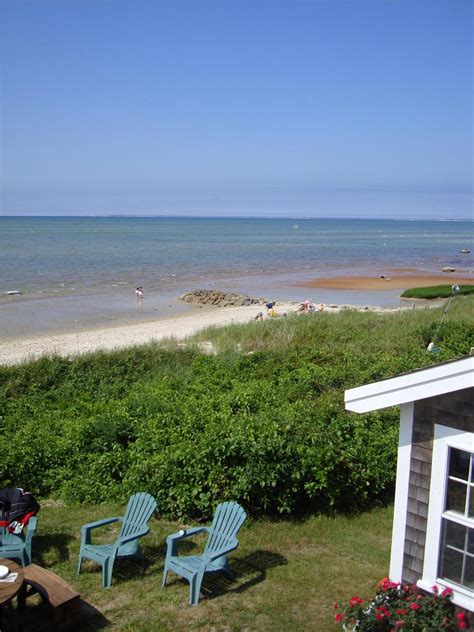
[{"x": 247, "y": 217}]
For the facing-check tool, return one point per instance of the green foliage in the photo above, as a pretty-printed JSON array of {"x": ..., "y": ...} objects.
[
  {"x": 453, "y": 338},
  {"x": 436, "y": 291},
  {"x": 261, "y": 422},
  {"x": 402, "y": 607}
]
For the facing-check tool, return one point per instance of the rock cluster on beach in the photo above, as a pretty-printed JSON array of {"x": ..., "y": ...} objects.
[{"x": 220, "y": 299}]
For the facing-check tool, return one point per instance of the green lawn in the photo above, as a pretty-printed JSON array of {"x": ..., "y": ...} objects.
[{"x": 289, "y": 574}]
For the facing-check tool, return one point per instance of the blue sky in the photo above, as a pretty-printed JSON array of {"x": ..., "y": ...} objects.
[{"x": 357, "y": 108}]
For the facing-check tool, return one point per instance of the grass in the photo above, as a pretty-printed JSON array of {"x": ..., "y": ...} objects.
[
  {"x": 288, "y": 574},
  {"x": 436, "y": 291},
  {"x": 359, "y": 333}
]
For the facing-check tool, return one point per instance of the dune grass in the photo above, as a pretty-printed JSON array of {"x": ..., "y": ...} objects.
[{"x": 288, "y": 574}]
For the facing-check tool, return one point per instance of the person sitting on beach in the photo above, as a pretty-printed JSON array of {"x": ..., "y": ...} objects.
[
  {"x": 306, "y": 306},
  {"x": 259, "y": 316},
  {"x": 270, "y": 305}
]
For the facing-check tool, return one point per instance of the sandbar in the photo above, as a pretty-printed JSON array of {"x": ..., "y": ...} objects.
[{"x": 395, "y": 280}]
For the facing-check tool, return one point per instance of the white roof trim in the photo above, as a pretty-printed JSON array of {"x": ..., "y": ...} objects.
[{"x": 429, "y": 382}]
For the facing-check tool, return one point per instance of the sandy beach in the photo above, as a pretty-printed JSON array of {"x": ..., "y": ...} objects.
[
  {"x": 109, "y": 338},
  {"x": 180, "y": 327}
]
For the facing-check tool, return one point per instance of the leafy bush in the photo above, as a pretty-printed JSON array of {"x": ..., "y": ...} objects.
[
  {"x": 265, "y": 425},
  {"x": 453, "y": 339}
]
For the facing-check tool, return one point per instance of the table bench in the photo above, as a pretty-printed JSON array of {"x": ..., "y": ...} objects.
[{"x": 62, "y": 598}]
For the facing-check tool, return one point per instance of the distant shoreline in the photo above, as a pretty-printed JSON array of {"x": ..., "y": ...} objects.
[{"x": 257, "y": 217}]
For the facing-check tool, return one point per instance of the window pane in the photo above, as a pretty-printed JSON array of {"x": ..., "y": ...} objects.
[
  {"x": 469, "y": 573},
  {"x": 455, "y": 534},
  {"x": 470, "y": 542},
  {"x": 459, "y": 462},
  {"x": 451, "y": 565},
  {"x": 471, "y": 502},
  {"x": 456, "y": 497}
]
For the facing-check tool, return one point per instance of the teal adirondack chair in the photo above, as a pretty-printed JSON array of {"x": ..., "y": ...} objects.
[
  {"x": 140, "y": 508},
  {"x": 222, "y": 539},
  {"x": 18, "y": 547}
]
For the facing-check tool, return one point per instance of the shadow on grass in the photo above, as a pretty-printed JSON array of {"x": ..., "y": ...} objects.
[
  {"x": 248, "y": 572},
  {"x": 40, "y": 617},
  {"x": 56, "y": 542},
  {"x": 126, "y": 568}
]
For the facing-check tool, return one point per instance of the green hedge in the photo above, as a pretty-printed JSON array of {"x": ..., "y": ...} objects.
[{"x": 267, "y": 428}]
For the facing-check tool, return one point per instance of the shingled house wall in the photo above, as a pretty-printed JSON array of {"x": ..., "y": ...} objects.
[{"x": 455, "y": 410}]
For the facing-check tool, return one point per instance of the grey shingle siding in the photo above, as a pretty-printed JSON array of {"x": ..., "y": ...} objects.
[{"x": 455, "y": 410}]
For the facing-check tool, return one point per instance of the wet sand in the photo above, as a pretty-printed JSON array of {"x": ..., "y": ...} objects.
[{"x": 395, "y": 280}]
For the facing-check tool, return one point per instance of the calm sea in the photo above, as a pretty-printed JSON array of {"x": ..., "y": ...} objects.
[
  {"x": 108, "y": 257},
  {"x": 42, "y": 254}
]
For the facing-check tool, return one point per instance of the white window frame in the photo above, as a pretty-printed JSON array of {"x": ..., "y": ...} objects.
[{"x": 444, "y": 438}]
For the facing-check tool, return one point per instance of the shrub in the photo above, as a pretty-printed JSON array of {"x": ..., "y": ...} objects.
[{"x": 401, "y": 607}]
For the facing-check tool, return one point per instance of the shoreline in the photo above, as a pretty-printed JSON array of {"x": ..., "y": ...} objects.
[
  {"x": 180, "y": 320},
  {"x": 112, "y": 337},
  {"x": 179, "y": 327}
]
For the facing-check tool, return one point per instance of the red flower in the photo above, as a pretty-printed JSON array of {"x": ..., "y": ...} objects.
[
  {"x": 446, "y": 592},
  {"x": 434, "y": 589},
  {"x": 379, "y": 616},
  {"x": 338, "y": 618},
  {"x": 386, "y": 584},
  {"x": 401, "y": 611},
  {"x": 355, "y": 601},
  {"x": 336, "y": 606},
  {"x": 400, "y": 623},
  {"x": 415, "y": 606},
  {"x": 462, "y": 625}
]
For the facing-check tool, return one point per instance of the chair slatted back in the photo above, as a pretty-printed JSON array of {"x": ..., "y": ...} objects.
[
  {"x": 228, "y": 519},
  {"x": 139, "y": 510}
]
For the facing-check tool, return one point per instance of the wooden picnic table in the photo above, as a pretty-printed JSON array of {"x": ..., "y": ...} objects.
[{"x": 8, "y": 590}]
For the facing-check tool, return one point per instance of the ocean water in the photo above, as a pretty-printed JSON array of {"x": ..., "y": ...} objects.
[
  {"x": 98, "y": 261},
  {"x": 44, "y": 254}
]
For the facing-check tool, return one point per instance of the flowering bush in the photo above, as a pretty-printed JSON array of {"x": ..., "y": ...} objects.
[{"x": 402, "y": 607}]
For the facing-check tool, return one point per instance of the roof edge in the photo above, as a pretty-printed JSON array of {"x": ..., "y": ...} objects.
[{"x": 420, "y": 384}]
